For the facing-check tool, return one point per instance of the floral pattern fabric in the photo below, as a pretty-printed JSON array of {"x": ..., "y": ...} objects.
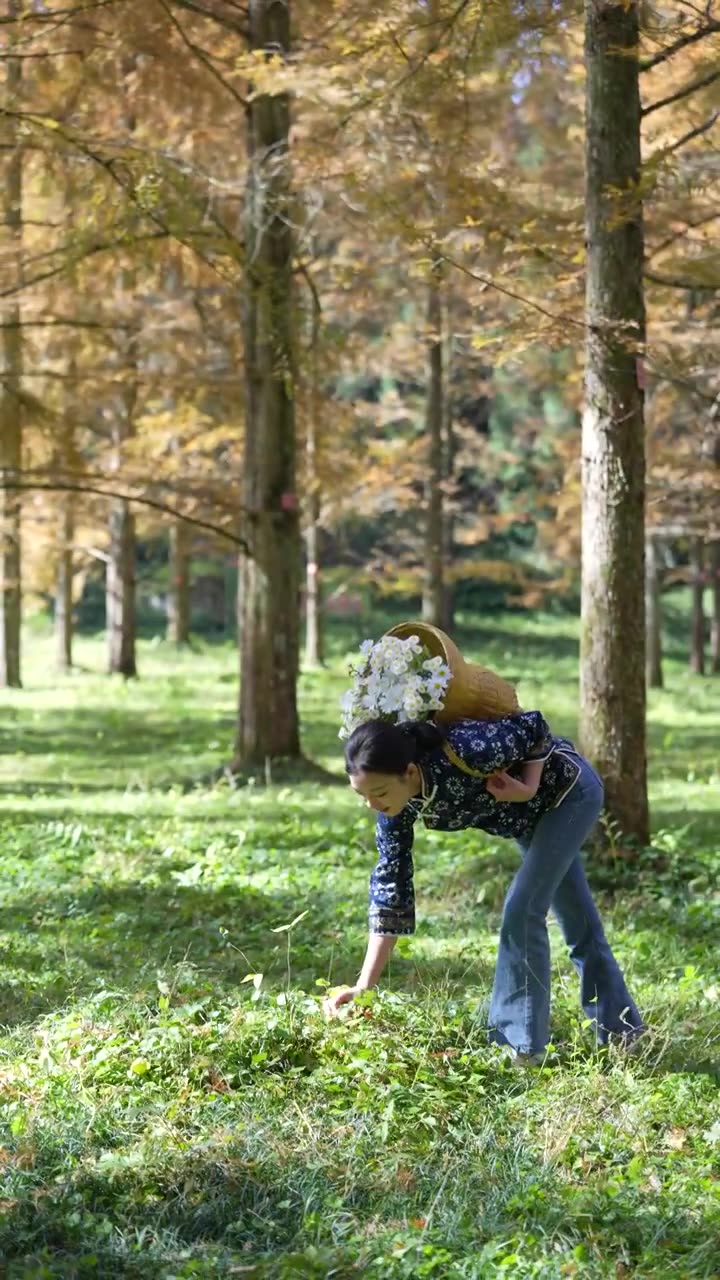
[{"x": 453, "y": 800}]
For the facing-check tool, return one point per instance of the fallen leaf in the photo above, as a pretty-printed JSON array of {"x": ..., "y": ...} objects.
[{"x": 215, "y": 1081}]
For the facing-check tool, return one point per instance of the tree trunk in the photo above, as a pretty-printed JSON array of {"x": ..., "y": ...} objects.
[
  {"x": 64, "y": 584},
  {"x": 269, "y": 591},
  {"x": 120, "y": 593},
  {"x": 178, "y": 604},
  {"x": 612, "y": 678},
  {"x": 448, "y": 621},
  {"x": 10, "y": 382},
  {"x": 715, "y": 616},
  {"x": 120, "y": 580},
  {"x": 653, "y": 617},
  {"x": 697, "y": 636},
  {"x": 314, "y": 646},
  {"x": 314, "y": 639},
  {"x": 433, "y": 606}
]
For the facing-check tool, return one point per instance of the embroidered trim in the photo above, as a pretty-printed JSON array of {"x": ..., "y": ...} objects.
[
  {"x": 566, "y": 792},
  {"x": 427, "y": 800}
]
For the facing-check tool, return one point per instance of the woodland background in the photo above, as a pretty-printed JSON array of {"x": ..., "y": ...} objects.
[
  {"x": 316, "y": 317},
  {"x": 401, "y": 187}
]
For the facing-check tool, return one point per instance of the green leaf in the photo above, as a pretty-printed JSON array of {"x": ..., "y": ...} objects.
[
  {"x": 284, "y": 928},
  {"x": 255, "y": 978}
]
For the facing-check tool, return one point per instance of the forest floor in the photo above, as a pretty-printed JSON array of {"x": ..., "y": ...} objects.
[{"x": 168, "y": 1112}]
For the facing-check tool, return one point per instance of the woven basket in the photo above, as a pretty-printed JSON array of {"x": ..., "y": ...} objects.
[{"x": 474, "y": 693}]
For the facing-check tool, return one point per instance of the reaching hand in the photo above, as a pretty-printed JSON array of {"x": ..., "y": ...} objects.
[
  {"x": 506, "y": 788},
  {"x": 334, "y": 1003}
]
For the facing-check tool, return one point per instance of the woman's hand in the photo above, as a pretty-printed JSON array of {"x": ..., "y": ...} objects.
[
  {"x": 334, "y": 1003},
  {"x": 379, "y": 950},
  {"x": 506, "y": 788}
]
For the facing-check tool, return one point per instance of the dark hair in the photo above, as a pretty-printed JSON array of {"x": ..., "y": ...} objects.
[{"x": 379, "y": 747}]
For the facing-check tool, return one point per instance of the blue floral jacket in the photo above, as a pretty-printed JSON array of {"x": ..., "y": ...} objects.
[{"x": 452, "y": 800}]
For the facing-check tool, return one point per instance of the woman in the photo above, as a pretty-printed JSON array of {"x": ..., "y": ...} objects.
[{"x": 509, "y": 777}]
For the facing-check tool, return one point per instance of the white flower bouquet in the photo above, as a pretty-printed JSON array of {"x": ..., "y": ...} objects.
[{"x": 395, "y": 680}]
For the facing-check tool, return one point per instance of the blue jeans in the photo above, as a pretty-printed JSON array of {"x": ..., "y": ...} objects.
[{"x": 551, "y": 875}]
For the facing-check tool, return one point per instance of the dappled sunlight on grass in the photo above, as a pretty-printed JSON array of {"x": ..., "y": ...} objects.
[{"x": 173, "y": 1101}]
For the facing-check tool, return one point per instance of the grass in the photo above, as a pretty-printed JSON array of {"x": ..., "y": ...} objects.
[{"x": 166, "y": 1114}]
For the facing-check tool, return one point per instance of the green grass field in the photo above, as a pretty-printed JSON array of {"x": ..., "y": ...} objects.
[{"x": 164, "y": 1116}]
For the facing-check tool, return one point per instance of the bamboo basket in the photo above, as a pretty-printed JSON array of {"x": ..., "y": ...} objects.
[{"x": 474, "y": 692}]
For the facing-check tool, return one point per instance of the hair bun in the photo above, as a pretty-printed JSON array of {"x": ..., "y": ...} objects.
[{"x": 426, "y": 735}]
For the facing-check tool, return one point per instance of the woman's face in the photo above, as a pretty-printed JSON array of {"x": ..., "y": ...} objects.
[{"x": 387, "y": 793}]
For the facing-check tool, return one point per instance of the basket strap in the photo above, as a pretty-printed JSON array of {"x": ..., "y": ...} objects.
[{"x": 454, "y": 758}]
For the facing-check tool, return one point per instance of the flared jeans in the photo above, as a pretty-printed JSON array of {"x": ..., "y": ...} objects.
[{"x": 552, "y": 876}]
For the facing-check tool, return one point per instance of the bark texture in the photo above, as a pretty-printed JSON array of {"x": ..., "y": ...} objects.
[
  {"x": 269, "y": 590},
  {"x": 613, "y": 447}
]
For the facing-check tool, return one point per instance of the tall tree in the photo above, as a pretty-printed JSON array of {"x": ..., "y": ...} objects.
[
  {"x": 11, "y": 353},
  {"x": 613, "y": 614},
  {"x": 122, "y": 552},
  {"x": 653, "y": 618},
  {"x": 269, "y": 596},
  {"x": 448, "y": 617},
  {"x": 697, "y": 583},
  {"x": 314, "y": 648},
  {"x": 715, "y": 614},
  {"x": 65, "y": 558},
  {"x": 120, "y": 590},
  {"x": 434, "y": 585},
  {"x": 178, "y": 598}
]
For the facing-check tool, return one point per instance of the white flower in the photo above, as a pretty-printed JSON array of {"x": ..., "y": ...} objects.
[
  {"x": 413, "y": 708},
  {"x": 394, "y": 680},
  {"x": 391, "y": 699},
  {"x": 433, "y": 664}
]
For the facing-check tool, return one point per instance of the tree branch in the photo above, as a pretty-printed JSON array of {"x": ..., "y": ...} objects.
[
  {"x": 108, "y": 166},
  {"x": 87, "y": 253},
  {"x": 682, "y": 42},
  {"x": 67, "y": 487},
  {"x": 202, "y": 56},
  {"x": 510, "y": 293},
  {"x": 676, "y": 282},
  {"x": 62, "y": 321},
  {"x": 677, "y": 380},
  {"x": 677, "y": 235},
  {"x": 222, "y": 21},
  {"x": 49, "y": 53},
  {"x": 685, "y": 92},
  {"x": 687, "y": 137}
]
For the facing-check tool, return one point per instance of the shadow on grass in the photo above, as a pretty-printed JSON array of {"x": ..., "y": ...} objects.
[
  {"x": 678, "y": 1061},
  {"x": 116, "y": 735},
  {"x": 279, "y": 772},
  {"x": 523, "y": 648},
  {"x": 49, "y": 788},
  {"x": 66, "y": 947},
  {"x": 231, "y": 1208},
  {"x": 701, "y": 827}
]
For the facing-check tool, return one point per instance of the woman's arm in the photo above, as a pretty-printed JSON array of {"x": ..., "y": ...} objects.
[
  {"x": 379, "y": 949},
  {"x": 392, "y": 902},
  {"x": 503, "y": 786},
  {"x": 490, "y": 746}
]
